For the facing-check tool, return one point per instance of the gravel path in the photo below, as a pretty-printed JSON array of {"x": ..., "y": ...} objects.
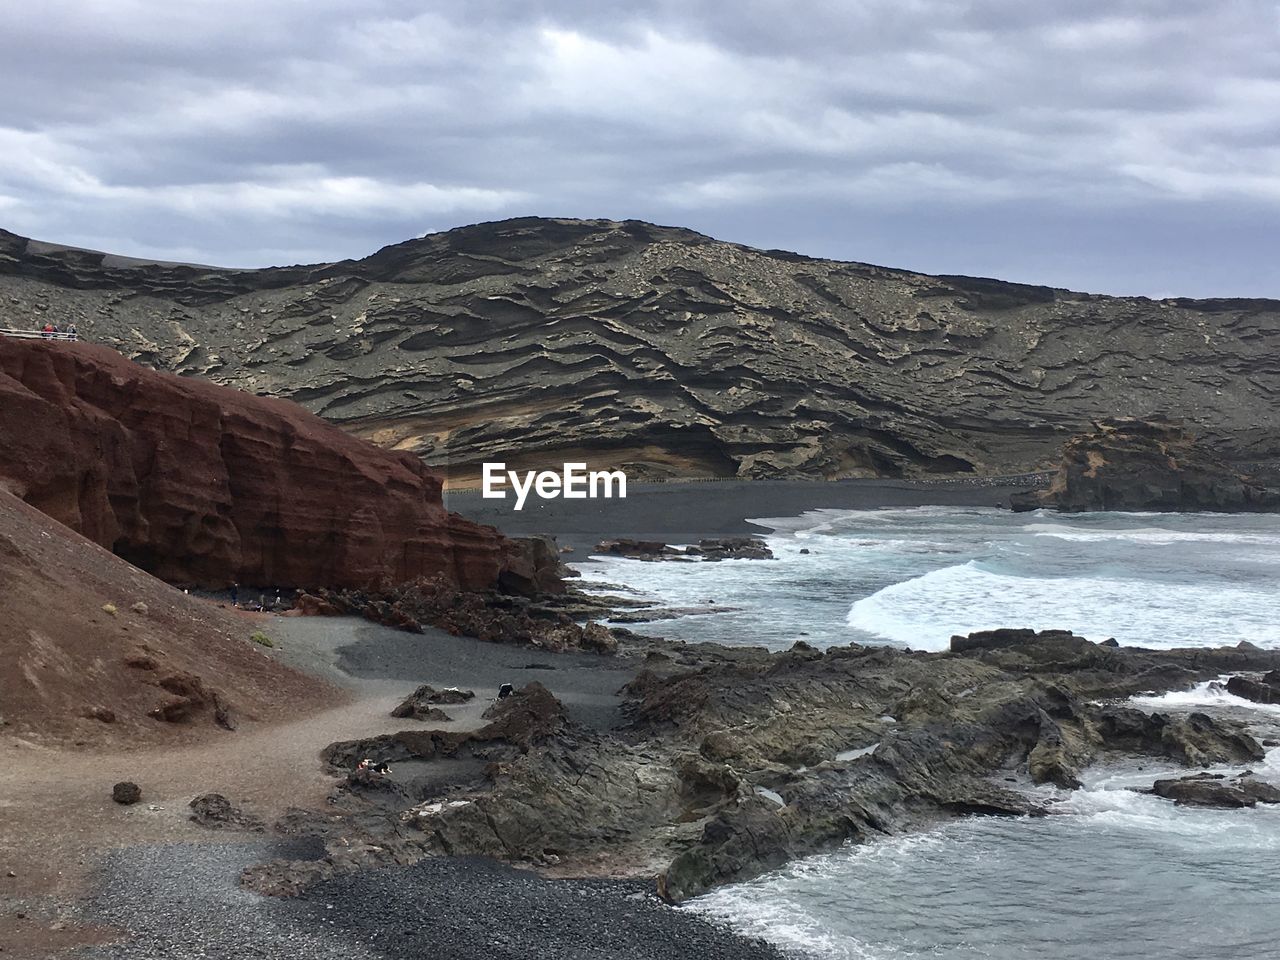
[{"x": 181, "y": 901}]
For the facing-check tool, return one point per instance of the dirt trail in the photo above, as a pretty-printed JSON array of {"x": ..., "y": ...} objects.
[{"x": 57, "y": 817}]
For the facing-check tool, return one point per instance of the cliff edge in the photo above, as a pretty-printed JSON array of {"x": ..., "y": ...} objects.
[{"x": 199, "y": 484}]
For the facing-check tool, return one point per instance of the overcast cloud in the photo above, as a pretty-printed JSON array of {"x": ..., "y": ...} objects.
[{"x": 1127, "y": 146}]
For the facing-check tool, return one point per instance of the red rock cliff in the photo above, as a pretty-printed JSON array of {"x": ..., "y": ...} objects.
[{"x": 205, "y": 485}]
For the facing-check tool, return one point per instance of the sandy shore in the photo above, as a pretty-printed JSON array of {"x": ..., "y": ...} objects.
[{"x": 683, "y": 512}]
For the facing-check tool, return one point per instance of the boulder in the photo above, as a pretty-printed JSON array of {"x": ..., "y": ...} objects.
[
  {"x": 1266, "y": 690},
  {"x": 420, "y": 705},
  {"x": 126, "y": 793},
  {"x": 1216, "y": 790},
  {"x": 215, "y": 811}
]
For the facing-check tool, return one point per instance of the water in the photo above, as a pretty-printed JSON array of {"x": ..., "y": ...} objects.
[
  {"x": 1116, "y": 874},
  {"x": 913, "y": 577},
  {"x": 1112, "y": 873}
]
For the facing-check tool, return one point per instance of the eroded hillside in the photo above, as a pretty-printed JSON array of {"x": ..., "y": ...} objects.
[{"x": 534, "y": 341}]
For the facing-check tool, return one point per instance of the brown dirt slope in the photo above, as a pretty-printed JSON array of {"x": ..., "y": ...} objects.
[
  {"x": 75, "y": 673},
  {"x": 200, "y": 484}
]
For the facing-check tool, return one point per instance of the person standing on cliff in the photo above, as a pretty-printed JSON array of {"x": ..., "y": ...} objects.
[
  {"x": 235, "y": 594},
  {"x": 72, "y": 332}
]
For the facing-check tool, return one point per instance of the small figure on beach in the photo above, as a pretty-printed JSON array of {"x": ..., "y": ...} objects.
[
  {"x": 367, "y": 765},
  {"x": 504, "y": 691},
  {"x": 235, "y": 594}
]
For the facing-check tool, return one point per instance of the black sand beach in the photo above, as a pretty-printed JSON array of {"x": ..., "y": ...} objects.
[
  {"x": 688, "y": 511},
  {"x": 183, "y": 899}
]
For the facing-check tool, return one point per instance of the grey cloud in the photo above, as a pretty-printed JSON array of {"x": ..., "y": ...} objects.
[{"x": 1126, "y": 146}]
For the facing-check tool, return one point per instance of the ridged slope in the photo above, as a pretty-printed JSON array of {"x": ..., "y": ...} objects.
[{"x": 539, "y": 340}]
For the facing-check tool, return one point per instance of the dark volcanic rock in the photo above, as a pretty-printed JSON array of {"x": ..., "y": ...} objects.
[
  {"x": 496, "y": 617},
  {"x": 733, "y": 761},
  {"x": 1266, "y": 690},
  {"x": 196, "y": 483},
  {"x": 665, "y": 352},
  {"x": 126, "y": 793},
  {"x": 1139, "y": 465},
  {"x": 998, "y": 639},
  {"x": 1216, "y": 790},
  {"x": 420, "y": 705},
  {"x": 727, "y": 548},
  {"x": 215, "y": 811}
]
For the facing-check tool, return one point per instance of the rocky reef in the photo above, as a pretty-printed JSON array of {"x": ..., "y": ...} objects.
[
  {"x": 200, "y": 484},
  {"x": 661, "y": 350},
  {"x": 1147, "y": 465},
  {"x": 733, "y": 761}
]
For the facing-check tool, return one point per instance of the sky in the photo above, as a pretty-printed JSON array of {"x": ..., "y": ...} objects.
[{"x": 1114, "y": 146}]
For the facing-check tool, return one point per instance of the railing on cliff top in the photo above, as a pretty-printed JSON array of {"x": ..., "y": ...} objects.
[{"x": 37, "y": 334}]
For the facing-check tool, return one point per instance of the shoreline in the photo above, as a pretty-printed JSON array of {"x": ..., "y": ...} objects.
[
  {"x": 145, "y": 883},
  {"x": 683, "y": 511}
]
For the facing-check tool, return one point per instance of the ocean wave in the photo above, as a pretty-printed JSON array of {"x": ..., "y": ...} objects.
[
  {"x": 1149, "y": 535},
  {"x": 1211, "y": 693},
  {"x": 925, "y": 611}
]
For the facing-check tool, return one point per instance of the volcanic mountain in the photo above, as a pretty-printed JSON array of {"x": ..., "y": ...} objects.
[{"x": 535, "y": 341}]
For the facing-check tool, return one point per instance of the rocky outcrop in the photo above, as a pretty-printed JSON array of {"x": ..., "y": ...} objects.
[
  {"x": 217, "y": 812},
  {"x": 732, "y": 761},
  {"x": 1264, "y": 690},
  {"x": 719, "y": 548},
  {"x": 423, "y": 703},
  {"x": 494, "y": 616},
  {"x": 537, "y": 341},
  {"x": 1146, "y": 465},
  {"x": 200, "y": 484}
]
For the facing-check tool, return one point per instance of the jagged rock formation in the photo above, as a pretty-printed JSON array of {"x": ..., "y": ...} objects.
[
  {"x": 1158, "y": 465},
  {"x": 733, "y": 761},
  {"x": 95, "y": 651},
  {"x": 199, "y": 484},
  {"x": 535, "y": 341}
]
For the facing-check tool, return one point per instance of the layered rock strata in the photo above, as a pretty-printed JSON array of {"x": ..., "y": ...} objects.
[
  {"x": 661, "y": 350},
  {"x": 200, "y": 484}
]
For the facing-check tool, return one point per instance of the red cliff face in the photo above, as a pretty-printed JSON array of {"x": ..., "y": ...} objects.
[{"x": 205, "y": 485}]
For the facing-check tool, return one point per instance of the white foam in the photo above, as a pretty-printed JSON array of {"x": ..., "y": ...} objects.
[
  {"x": 1148, "y": 535},
  {"x": 771, "y": 795},
  {"x": 846, "y": 755},
  {"x": 1211, "y": 693},
  {"x": 925, "y": 611}
]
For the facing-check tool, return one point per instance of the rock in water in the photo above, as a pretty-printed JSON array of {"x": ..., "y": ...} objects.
[
  {"x": 1266, "y": 690},
  {"x": 1146, "y": 465},
  {"x": 126, "y": 793},
  {"x": 197, "y": 483},
  {"x": 1216, "y": 790}
]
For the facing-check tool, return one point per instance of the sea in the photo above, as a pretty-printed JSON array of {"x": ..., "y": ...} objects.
[{"x": 1112, "y": 873}]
